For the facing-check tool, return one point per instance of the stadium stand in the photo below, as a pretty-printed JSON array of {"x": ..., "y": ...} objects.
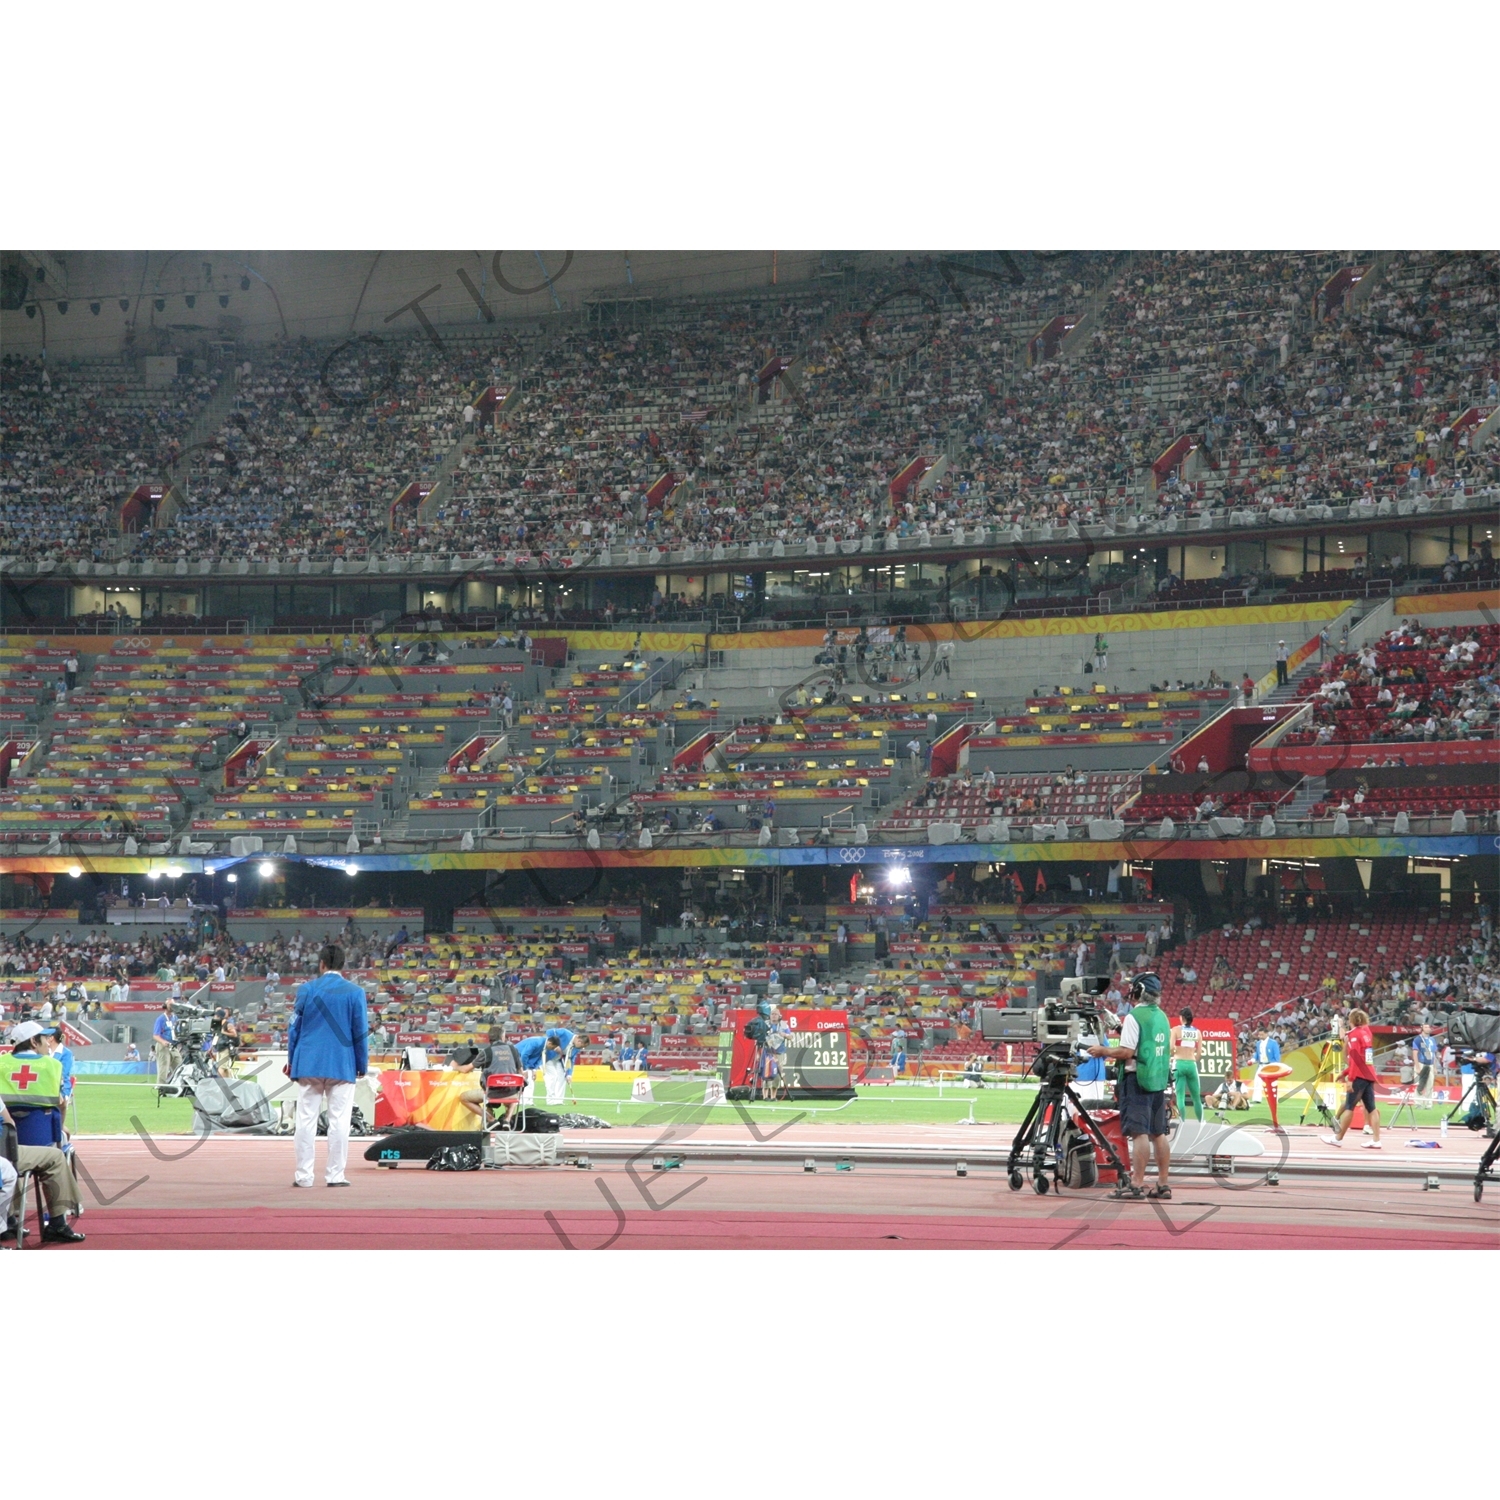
[
  {"x": 1108, "y": 399},
  {"x": 1246, "y": 970},
  {"x": 1413, "y": 684},
  {"x": 1202, "y": 382}
]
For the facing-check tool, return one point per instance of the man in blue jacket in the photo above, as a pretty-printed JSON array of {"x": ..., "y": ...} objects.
[
  {"x": 555, "y": 1045},
  {"x": 553, "y": 1052},
  {"x": 328, "y": 1042}
]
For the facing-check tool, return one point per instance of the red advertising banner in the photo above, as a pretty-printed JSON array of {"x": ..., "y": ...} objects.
[
  {"x": 1316, "y": 760},
  {"x": 512, "y": 913},
  {"x": 361, "y": 913},
  {"x": 486, "y": 668}
]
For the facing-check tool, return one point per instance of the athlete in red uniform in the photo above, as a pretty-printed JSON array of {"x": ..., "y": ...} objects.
[{"x": 1359, "y": 1069}]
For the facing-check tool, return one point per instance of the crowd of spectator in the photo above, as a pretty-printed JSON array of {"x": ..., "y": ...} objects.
[
  {"x": 320, "y": 439},
  {"x": 1415, "y": 684},
  {"x": 180, "y": 953},
  {"x": 75, "y": 440},
  {"x": 1420, "y": 993}
]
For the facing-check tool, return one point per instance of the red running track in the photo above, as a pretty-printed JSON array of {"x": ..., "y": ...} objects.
[
  {"x": 1139, "y": 1228},
  {"x": 236, "y": 1194}
]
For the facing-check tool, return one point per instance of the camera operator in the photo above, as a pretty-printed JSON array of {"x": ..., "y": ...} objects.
[
  {"x": 773, "y": 1056},
  {"x": 165, "y": 1034},
  {"x": 480, "y": 1060},
  {"x": 223, "y": 1038},
  {"x": 1144, "y": 1048}
]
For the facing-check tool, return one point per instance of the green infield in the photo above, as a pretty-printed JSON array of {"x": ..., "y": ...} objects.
[
  {"x": 110, "y": 1106},
  {"x": 107, "y": 1106}
]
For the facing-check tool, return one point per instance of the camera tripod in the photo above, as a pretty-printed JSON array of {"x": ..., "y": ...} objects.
[
  {"x": 1482, "y": 1095},
  {"x": 1330, "y": 1066},
  {"x": 1047, "y": 1125},
  {"x": 1486, "y": 1167}
]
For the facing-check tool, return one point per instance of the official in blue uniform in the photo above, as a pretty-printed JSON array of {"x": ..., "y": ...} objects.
[{"x": 329, "y": 1048}]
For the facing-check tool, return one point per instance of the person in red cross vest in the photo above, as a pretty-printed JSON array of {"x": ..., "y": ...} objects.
[{"x": 25, "y": 1073}]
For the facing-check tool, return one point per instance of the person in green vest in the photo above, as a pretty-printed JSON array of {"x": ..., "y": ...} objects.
[
  {"x": 31, "y": 1079},
  {"x": 1144, "y": 1050}
]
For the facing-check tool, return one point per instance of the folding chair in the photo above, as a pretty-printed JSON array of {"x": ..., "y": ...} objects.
[
  {"x": 18, "y": 1209},
  {"x": 18, "y": 1201}
]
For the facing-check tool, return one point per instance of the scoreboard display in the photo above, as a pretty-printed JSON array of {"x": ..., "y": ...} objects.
[
  {"x": 814, "y": 1060},
  {"x": 1216, "y": 1050},
  {"x": 817, "y": 1059}
]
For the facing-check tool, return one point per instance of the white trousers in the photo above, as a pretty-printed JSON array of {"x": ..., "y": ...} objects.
[
  {"x": 7, "y": 1187},
  {"x": 338, "y": 1095}
]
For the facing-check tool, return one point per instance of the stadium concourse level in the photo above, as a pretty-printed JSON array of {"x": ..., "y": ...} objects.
[
  {"x": 292, "y": 744},
  {"x": 269, "y": 739},
  {"x": 1250, "y": 385},
  {"x": 335, "y": 745}
]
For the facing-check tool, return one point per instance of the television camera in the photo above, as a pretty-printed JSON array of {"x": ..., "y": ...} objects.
[
  {"x": 194, "y": 1023},
  {"x": 1062, "y": 1026},
  {"x": 1060, "y": 1136},
  {"x": 191, "y": 1028},
  {"x": 1474, "y": 1036}
]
